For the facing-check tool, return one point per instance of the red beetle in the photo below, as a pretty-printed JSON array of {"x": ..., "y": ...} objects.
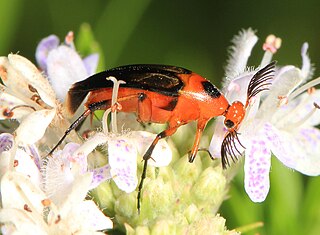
[{"x": 166, "y": 94}]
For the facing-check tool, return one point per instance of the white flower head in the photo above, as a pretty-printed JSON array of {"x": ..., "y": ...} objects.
[
  {"x": 62, "y": 64},
  {"x": 282, "y": 123},
  {"x": 26, "y": 209}
]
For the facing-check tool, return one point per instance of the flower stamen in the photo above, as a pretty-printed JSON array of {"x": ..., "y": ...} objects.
[
  {"x": 271, "y": 45},
  {"x": 115, "y": 90},
  {"x": 69, "y": 39},
  {"x": 304, "y": 88},
  {"x": 305, "y": 118}
]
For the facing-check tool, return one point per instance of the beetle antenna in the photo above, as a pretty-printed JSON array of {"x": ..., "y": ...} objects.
[
  {"x": 229, "y": 148},
  {"x": 260, "y": 81}
]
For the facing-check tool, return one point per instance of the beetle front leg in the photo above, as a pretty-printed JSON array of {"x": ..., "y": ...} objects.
[{"x": 200, "y": 127}]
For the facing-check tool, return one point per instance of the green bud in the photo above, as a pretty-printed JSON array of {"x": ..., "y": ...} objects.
[
  {"x": 104, "y": 197},
  {"x": 126, "y": 208},
  {"x": 186, "y": 171},
  {"x": 192, "y": 213},
  {"x": 164, "y": 227},
  {"x": 142, "y": 230},
  {"x": 157, "y": 198},
  {"x": 209, "y": 189},
  {"x": 210, "y": 224}
]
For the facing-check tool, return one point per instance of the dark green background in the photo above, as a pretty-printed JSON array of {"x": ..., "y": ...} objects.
[{"x": 195, "y": 35}]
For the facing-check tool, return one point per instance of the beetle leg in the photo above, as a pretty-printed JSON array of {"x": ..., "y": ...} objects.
[
  {"x": 201, "y": 125},
  {"x": 91, "y": 108},
  {"x": 168, "y": 132}
]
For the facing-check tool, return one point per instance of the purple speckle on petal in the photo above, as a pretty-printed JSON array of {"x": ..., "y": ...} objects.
[
  {"x": 257, "y": 166},
  {"x": 6, "y": 142},
  {"x": 100, "y": 175}
]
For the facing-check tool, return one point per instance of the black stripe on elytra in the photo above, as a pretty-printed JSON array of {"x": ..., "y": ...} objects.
[{"x": 211, "y": 90}]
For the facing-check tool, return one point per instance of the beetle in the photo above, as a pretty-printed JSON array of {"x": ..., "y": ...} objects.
[{"x": 166, "y": 94}]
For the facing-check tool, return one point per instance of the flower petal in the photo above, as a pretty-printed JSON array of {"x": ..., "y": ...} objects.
[
  {"x": 307, "y": 70},
  {"x": 79, "y": 190},
  {"x": 240, "y": 52},
  {"x": 65, "y": 67},
  {"x": 12, "y": 107},
  {"x": 298, "y": 149},
  {"x": 6, "y": 142},
  {"x": 23, "y": 223},
  {"x": 281, "y": 145},
  {"x": 91, "y": 63},
  {"x": 57, "y": 175},
  {"x": 25, "y": 164},
  {"x": 44, "y": 47},
  {"x": 287, "y": 79},
  {"x": 33, "y": 127},
  {"x": 87, "y": 147},
  {"x": 32, "y": 76},
  {"x": 123, "y": 163},
  {"x": 88, "y": 216},
  {"x": 257, "y": 168},
  {"x": 217, "y": 138},
  {"x": 100, "y": 175},
  {"x": 308, "y": 139},
  {"x": 18, "y": 192}
]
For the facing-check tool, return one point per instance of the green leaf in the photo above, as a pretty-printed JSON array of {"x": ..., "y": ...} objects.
[{"x": 86, "y": 44}]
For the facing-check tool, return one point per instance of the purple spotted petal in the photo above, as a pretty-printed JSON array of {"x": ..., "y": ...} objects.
[
  {"x": 257, "y": 168},
  {"x": 91, "y": 63},
  {"x": 43, "y": 49},
  {"x": 32, "y": 150},
  {"x": 123, "y": 163},
  {"x": 307, "y": 141},
  {"x": 81, "y": 159},
  {"x": 6, "y": 142},
  {"x": 100, "y": 175},
  {"x": 281, "y": 145}
]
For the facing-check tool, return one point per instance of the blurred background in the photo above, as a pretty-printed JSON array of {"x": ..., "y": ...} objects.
[{"x": 195, "y": 35}]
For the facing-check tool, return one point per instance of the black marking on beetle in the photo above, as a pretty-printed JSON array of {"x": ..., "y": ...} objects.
[
  {"x": 171, "y": 105},
  {"x": 211, "y": 90}
]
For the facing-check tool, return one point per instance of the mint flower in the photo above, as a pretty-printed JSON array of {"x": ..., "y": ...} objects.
[
  {"x": 46, "y": 196},
  {"x": 281, "y": 122},
  {"x": 27, "y": 209},
  {"x": 62, "y": 64}
]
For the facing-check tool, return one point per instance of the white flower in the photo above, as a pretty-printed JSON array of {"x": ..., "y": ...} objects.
[
  {"x": 27, "y": 210},
  {"x": 60, "y": 208},
  {"x": 62, "y": 64},
  {"x": 282, "y": 123},
  {"x": 27, "y": 97}
]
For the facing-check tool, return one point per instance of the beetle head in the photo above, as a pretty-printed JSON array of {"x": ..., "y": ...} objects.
[{"x": 234, "y": 115}]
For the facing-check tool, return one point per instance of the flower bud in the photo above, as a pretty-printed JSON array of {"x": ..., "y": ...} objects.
[{"x": 209, "y": 189}]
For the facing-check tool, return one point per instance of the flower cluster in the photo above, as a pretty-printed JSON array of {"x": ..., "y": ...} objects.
[
  {"x": 51, "y": 192},
  {"x": 86, "y": 182},
  {"x": 281, "y": 121}
]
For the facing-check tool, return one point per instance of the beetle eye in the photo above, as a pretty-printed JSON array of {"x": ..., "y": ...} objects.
[{"x": 229, "y": 123}]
